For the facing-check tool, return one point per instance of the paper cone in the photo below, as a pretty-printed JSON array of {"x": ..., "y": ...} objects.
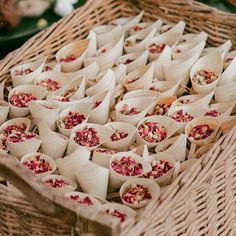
[
  {"x": 2, "y": 86},
  {"x": 211, "y": 62},
  {"x": 78, "y": 49},
  {"x": 92, "y": 47},
  {"x": 108, "y": 81},
  {"x": 40, "y": 112},
  {"x": 228, "y": 75},
  {"x": 166, "y": 88},
  {"x": 82, "y": 109},
  {"x": 139, "y": 59},
  {"x": 194, "y": 38},
  {"x": 144, "y": 74},
  {"x": 100, "y": 114},
  {"x": 226, "y": 93},
  {"x": 140, "y": 93},
  {"x": 61, "y": 190},
  {"x": 116, "y": 180},
  {"x": 212, "y": 122},
  {"x": 228, "y": 123},
  {"x": 4, "y": 149},
  {"x": 93, "y": 179},
  {"x": 36, "y": 67},
  {"x": 95, "y": 203},
  {"x": 120, "y": 72},
  {"x": 52, "y": 66},
  {"x": 170, "y": 126},
  {"x": 202, "y": 150},
  {"x": 47, "y": 158},
  {"x": 22, "y": 148},
  {"x": 153, "y": 189},
  {"x": 143, "y": 104},
  {"x": 68, "y": 165},
  {"x": 177, "y": 149},
  {"x": 4, "y": 110},
  {"x": 178, "y": 28},
  {"x": 35, "y": 90},
  {"x": 228, "y": 59},
  {"x": 53, "y": 144},
  {"x": 142, "y": 150}
]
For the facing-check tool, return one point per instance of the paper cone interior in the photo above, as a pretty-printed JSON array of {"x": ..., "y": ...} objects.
[
  {"x": 229, "y": 57},
  {"x": 92, "y": 46},
  {"x": 140, "y": 93},
  {"x": 228, "y": 75},
  {"x": 4, "y": 149},
  {"x": 4, "y": 110},
  {"x": 142, "y": 150},
  {"x": 194, "y": 38},
  {"x": 52, "y": 66}
]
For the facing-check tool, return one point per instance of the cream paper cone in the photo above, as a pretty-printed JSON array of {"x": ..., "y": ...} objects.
[
  {"x": 95, "y": 203},
  {"x": 78, "y": 49},
  {"x": 2, "y": 86},
  {"x": 22, "y": 148},
  {"x": 52, "y": 66},
  {"x": 171, "y": 127},
  {"x": 138, "y": 46},
  {"x": 4, "y": 150},
  {"x": 92, "y": 46},
  {"x": 47, "y": 158},
  {"x": 100, "y": 114},
  {"x": 166, "y": 88},
  {"x": 139, "y": 60},
  {"x": 93, "y": 179},
  {"x": 108, "y": 81},
  {"x": 103, "y": 133},
  {"x": 116, "y": 180},
  {"x": 68, "y": 165},
  {"x": 153, "y": 189},
  {"x": 41, "y": 113},
  {"x": 178, "y": 28},
  {"x": 229, "y": 57},
  {"x": 228, "y": 75},
  {"x": 177, "y": 149},
  {"x": 226, "y": 93},
  {"x": 53, "y": 144},
  {"x": 123, "y": 144},
  {"x": 211, "y": 62},
  {"x": 62, "y": 190},
  {"x": 143, "y": 104},
  {"x": 140, "y": 93},
  {"x": 194, "y": 38},
  {"x": 142, "y": 150},
  {"x": 202, "y": 150},
  {"x": 82, "y": 108},
  {"x": 120, "y": 72},
  {"x": 194, "y": 111},
  {"x": 145, "y": 75},
  {"x": 36, "y": 66},
  {"x": 212, "y": 122},
  {"x": 4, "y": 110},
  {"x": 37, "y": 91}
]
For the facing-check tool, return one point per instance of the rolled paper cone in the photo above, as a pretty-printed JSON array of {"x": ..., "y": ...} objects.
[
  {"x": 225, "y": 93},
  {"x": 190, "y": 110},
  {"x": 122, "y": 144},
  {"x": 212, "y": 122},
  {"x": 228, "y": 75},
  {"x": 187, "y": 164},
  {"x": 93, "y": 179},
  {"x": 139, "y": 27},
  {"x": 4, "y": 110},
  {"x": 177, "y": 149},
  {"x": 2, "y": 86},
  {"x": 138, "y": 59},
  {"x": 229, "y": 57},
  {"x": 68, "y": 165},
  {"x": 47, "y": 158},
  {"x": 195, "y": 38},
  {"x": 171, "y": 127},
  {"x": 211, "y": 62},
  {"x": 115, "y": 179},
  {"x": 4, "y": 149},
  {"x": 178, "y": 28},
  {"x": 143, "y": 104},
  {"x": 92, "y": 46},
  {"x": 52, "y": 66},
  {"x": 172, "y": 91},
  {"x": 108, "y": 81},
  {"x": 44, "y": 111},
  {"x": 81, "y": 108},
  {"x": 145, "y": 76},
  {"x": 153, "y": 189},
  {"x": 36, "y": 67},
  {"x": 170, "y": 87},
  {"x": 120, "y": 72},
  {"x": 100, "y": 114},
  {"x": 95, "y": 203},
  {"x": 53, "y": 144},
  {"x": 228, "y": 123},
  {"x": 22, "y": 148},
  {"x": 77, "y": 49},
  {"x": 35, "y": 90},
  {"x": 16, "y": 121},
  {"x": 139, "y": 46},
  {"x": 61, "y": 190},
  {"x": 142, "y": 150},
  {"x": 140, "y": 93},
  {"x": 202, "y": 150}
]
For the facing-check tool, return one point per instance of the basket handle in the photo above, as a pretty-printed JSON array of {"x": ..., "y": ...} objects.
[{"x": 46, "y": 201}]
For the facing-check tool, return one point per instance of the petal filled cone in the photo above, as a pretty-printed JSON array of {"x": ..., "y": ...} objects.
[
  {"x": 229, "y": 57},
  {"x": 92, "y": 46},
  {"x": 16, "y": 121},
  {"x": 120, "y": 72},
  {"x": 140, "y": 93},
  {"x": 229, "y": 74}
]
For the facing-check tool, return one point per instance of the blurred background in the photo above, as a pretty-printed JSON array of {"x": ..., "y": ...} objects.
[{"x": 21, "y": 19}]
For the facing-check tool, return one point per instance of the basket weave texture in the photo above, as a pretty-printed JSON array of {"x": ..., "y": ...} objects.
[{"x": 199, "y": 202}]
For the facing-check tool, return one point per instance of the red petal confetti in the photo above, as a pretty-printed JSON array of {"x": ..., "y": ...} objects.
[
  {"x": 49, "y": 84},
  {"x": 37, "y": 164},
  {"x": 213, "y": 113},
  {"x": 229, "y": 59},
  {"x": 23, "y": 72},
  {"x": 185, "y": 101},
  {"x": 137, "y": 28},
  {"x": 126, "y": 110},
  {"x": 70, "y": 120},
  {"x": 87, "y": 201},
  {"x": 21, "y": 99},
  {"x": 116, "y": 213},
  {"x": 96, "y": 104},
  {"x": 118, "y": 135},
  {"x": 160, "y": 109},
  {"x": 200, "y": 132},
  {"x": 128, "y": 61},
  {"x": 156, "y": 48},
  {"x": 69, "y": 58},
  {"x": 204, "y": 77},
  {"x": 130, "y": 43},
  {"x": 136, "y": 193},
  {"x": 152, "y": 132},
  {"x": 64, "y": 100},
  {"x": 127, "y": 166},
  {"x": 106, "y": 151},
  {"x": 56, "y": 183},
  {"x": 20, "y": 136},
  {"x": 48, "y": 68},
  {"x": 3, "y": 143},
  {"x": 16, "y": 127},
  {"x": 181, "y": 116},
  {"x": 87, "y": 137}
]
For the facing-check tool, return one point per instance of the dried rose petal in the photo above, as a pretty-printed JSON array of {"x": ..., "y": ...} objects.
[
  {"x": 20, "y": 136},
  {"x": 48, "y": 68},
  {"x": 152, "y": 132},
  {"x": 159, "y": 168},
  {"x": 118, "y": 135},
  {"x": 200, "y": 132},
  {"x": 16, "y": 127},
  {"x": 96, "y": 104},
  {"x": 37, "y": 164},
  {"x": 64, "y": 100},
  {"x": 56, "y": 183},
  {"x": 160, "y": 109},
  {"x": 204, "y": 77},
  {"x": 136, "y": 193},
  {"x": 133, "y": 80},
  {"x": 181, "y": 116},
  {"x": 116, "y": 213},
  {"x": 154, "y": 88},
  {"x": 130, "y": 43},
  {"x": 49, "y": 84},
  {"x": 165, "y": 147},
  {"x": 70, "y": 120},
  {"x": 87, "y": 201},
  {"x": 229, "y": 59},
  {"x": 68, "y": 58},
  {"x": 22, "y": 99},
  {"x": 156, "y": 48},
  {"x": 185, "y": 101},
  {"x": 128, "y": 61},
  {"x": 87, "y": 137},
  {"x": 137, "y": 28},
  {"x": 126, "y": 110},
  {"x": 106, "y": 151},
  {"x": 3, "y": 143},
  {"x": 127, "y": 166},
  {"x": 23, "y": 72},
  {"x": 213, "y": 113},
  {"x": 163, "y": 30}
]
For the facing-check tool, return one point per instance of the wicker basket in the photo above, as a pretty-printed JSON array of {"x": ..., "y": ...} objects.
[{"x": 199, "y": 202}]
